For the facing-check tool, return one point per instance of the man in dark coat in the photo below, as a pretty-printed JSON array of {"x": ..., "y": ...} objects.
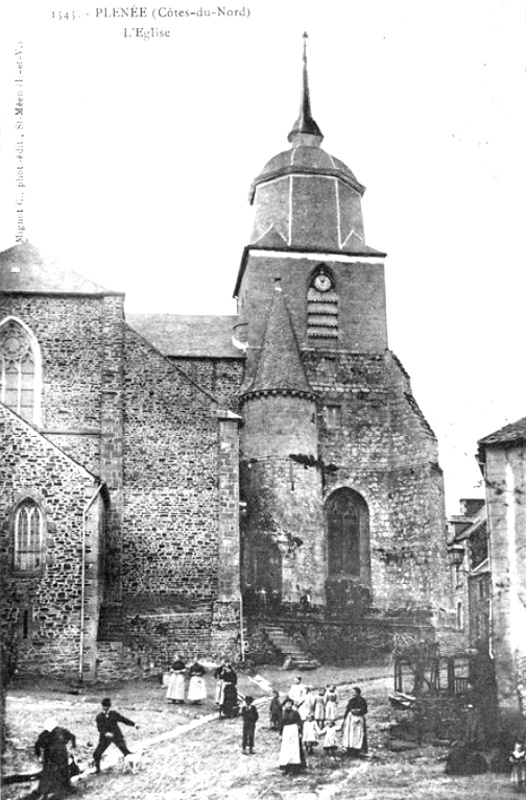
[
  {"x": 109, "y": 731},
  {"x": 250, "y": 716}
]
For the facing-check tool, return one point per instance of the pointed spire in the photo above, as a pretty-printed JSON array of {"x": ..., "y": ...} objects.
[
  {"x": 305, "y": 130},
  {"x": 280, "y": 368}
]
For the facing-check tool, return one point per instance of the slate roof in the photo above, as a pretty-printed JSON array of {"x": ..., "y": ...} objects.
[
  {"x": 514, "y": 432},
  {"x": 305, "y": 160},
  {"x": 23, "y": 269},
  {"x": 280, "y": 367},
  {"x": 477, "y": 522},
  {"x": 188, "y": 335}
]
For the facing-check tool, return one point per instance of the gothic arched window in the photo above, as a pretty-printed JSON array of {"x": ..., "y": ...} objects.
[
  {"x": 348, "y": 534},
  {"x": 20, "y": 369},
  {"x": 28, "y": 537},
  {"x": 322, "y": 306}
]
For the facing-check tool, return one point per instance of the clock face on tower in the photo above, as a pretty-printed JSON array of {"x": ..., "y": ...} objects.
[{"x": 322, "y": 282}]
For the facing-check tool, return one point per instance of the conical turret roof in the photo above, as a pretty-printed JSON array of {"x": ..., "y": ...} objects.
[{"x": 280, "y": 368}]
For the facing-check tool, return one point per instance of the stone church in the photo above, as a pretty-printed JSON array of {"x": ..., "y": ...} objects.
[{"x": 157, "y": 469}]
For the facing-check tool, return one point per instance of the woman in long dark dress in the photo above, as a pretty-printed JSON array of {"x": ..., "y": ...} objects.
[
  {"x": 228, "y": 674},
  {"x": 51, "y": 747},
  {"x": 354, "y": 728},
  {"x": 291, "y": 755}
]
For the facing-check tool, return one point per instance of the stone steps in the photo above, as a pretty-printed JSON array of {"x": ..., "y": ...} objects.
[{"x": 280, "y": 640}]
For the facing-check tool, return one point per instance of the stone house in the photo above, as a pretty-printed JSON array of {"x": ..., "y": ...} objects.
[
  {"x": 143, "y": 435},
  {"x": 468, "y": 545},
  {"x": 502, "y": 456}
]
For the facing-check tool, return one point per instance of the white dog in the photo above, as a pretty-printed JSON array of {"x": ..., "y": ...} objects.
[{"x": 132, "y": 761}]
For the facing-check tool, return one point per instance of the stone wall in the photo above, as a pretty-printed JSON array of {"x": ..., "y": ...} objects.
[
  {"x": 171, "y": 494},
  {"x": 156, "y": 638},
  {"x": 383, "y": 448},
  {"x": 332, "y": 640},
  {"x": 228, "y": 523},
  {"x": 112, "y": 439},
  {"x": 117, "y": 662},
  {"x": 285, "y": 549},
  {"x": 221, "y": 377},
  {"x": 69, "y": 331},
  {"x": 371, "y": 435},
  {"x": 359, "y": 285},
  {"x": 226, "y": 630},
  {"x": 505, "y": 477},
  {"x": 42, "y": 611}
]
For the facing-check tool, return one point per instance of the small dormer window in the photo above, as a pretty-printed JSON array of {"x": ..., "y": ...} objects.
[{"x": 322, "y": 306}]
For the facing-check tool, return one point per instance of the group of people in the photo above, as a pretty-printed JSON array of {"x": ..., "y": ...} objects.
[
  {"x": 176, "y": 690},
  {"x": 304, "y": 718},
  {"x": 54, "y": 748},
  {"x": 308, "y": 716},
  {"x": 179, "y": 691}
]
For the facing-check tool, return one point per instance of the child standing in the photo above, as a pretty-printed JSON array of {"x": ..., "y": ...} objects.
[
  {"x": 297, "y": 692},
  {"x": 311, "y": 733},
  {"x": 331, "y": 701},
  {"x": 329, "y": 744},
  {"x": 307, "y": 707},
  {"x": 250, "y": 716},
  {"x": 319, "y": 708},
  {"x": 518, "y": 766},
  {"x": 275, "y": 712}
]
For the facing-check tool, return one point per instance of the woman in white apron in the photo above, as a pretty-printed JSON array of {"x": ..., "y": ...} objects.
[{"x": 175, "y": 690}]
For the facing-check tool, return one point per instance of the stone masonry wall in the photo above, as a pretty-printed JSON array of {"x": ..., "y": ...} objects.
[
  {"x": 41, "y": 613},
  {"x": 70, "y": 336},
  {"x": 112, "y": 439},
  {"x": 222, "y": 377},
  {"x": 383, "y": 448},
  {"x": 361, "y": 298},
  {"x": 170, "y": 520},
  {"x": 505, "y": 478},
  {"x": 156, "y": 638},
  {"x": 228, "y": 533},
  {"x": 283, "y": 529}
]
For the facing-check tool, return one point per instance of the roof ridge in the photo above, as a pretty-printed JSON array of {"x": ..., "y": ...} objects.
[{"x": 24, "y": 269}]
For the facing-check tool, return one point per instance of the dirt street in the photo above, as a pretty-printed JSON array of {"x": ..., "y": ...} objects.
[{"x": 206, "y": 763}]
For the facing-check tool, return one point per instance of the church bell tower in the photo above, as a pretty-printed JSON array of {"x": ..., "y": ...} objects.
[{"x": 339, "y": 467}]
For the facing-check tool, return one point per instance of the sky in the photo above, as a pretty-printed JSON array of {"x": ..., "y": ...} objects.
[{"x": 138, "y": 154}]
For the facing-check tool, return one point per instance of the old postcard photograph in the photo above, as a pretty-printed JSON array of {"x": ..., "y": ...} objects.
[{"x": 262, "y": 416}]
